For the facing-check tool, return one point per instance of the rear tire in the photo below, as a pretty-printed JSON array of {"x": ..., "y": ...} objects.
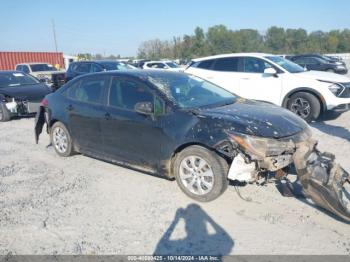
[
  {"x": 5, "y": 114},
  {"x": 61, "y": 140},
  {"x": 201, "y": 174},
  {"x": 305, "y": 105}
]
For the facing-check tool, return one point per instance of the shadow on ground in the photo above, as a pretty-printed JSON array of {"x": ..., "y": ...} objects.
[
  {"x": 329, "y": 129},
  {"x": 198, "y": 240},
  {"x": 294, "y": 189}
]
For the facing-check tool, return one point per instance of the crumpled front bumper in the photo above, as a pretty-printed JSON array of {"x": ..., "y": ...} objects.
[{"x": 324, "y": 181}]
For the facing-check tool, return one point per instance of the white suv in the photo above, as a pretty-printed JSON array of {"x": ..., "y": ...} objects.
[{"x": 273, "y": 79}]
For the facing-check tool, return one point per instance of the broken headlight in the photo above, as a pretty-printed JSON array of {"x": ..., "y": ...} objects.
[{"x": 260, "y": 147}]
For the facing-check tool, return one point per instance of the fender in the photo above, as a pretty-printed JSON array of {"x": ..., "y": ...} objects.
[{"x": 307, "y": 90}]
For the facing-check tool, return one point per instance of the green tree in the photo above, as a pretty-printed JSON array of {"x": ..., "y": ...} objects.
[
  {"x": 295, "y": 41},
  {"x": 275, "y": 39},
  {"x": 248, "y": 40},
  {"x": 85, "y": 56},
  {"x": 220, "y": 40}
]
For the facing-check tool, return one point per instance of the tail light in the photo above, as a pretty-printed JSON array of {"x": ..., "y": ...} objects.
[{"x": 45, "y": 102}]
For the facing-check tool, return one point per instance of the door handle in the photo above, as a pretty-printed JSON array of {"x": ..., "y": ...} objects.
[
  {"x": 107, "y": 116},
  {"x": 70, "y": 108}
]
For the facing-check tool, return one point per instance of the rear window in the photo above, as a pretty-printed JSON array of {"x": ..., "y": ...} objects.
[
  {"x": 42, "y": 67},
  {"x": 207, "y": 64},
  {"x": 229, "y": 64},
  {"x": 82, "y": 68}
]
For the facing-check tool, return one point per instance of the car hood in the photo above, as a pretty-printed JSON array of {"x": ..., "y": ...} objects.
[
  {"x": 255, "y": 118},
  {"x": 323, "y": 76},
  {"x": 34, "y": 92}
]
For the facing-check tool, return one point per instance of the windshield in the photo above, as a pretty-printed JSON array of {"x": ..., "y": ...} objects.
[
  {"x": 172, "y": 65},
  {"x": 16, "y": 79},
  {"x": 286, "y": 64},
  {"x": 42, "y": 67},
  {"x": 189, "y": 91},
  {"x": 115, "y": 66}
]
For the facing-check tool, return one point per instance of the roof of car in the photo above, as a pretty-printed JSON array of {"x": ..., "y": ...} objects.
[
  {"x": 232, "y": 55},
  {"x": 161, "y": 61},
  {"x": 140, "y": 73},
  {"x": 98, "y": 61},
  {"x": 315, "y": 54},
  {"x": 37, "y": 63},
  {"x": 10, "y": 71}
]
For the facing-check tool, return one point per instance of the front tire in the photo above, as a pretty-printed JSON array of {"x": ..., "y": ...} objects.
[
  {"x": 305, "y": 105},
  {"x": 61, "y": 140},
  {"x": 201, "y": 174}
]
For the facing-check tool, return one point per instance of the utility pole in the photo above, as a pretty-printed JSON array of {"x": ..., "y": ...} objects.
[{"x": 54, "y": 33}]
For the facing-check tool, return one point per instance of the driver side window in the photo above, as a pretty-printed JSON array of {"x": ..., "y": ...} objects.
[
  {"x": 126, "y": 93},
  {"x": 255, "y": 65}
]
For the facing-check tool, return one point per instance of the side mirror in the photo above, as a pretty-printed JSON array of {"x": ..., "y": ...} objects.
[
  {"x": 270, "y": 71},
  {"x": 145, "y": 108}
]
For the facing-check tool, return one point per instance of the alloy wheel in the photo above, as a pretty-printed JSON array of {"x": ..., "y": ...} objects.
[
  {"x": 196, "y": 175},
  {"x": 60, "y": 140},
  {"x": 301, "y": 107}
]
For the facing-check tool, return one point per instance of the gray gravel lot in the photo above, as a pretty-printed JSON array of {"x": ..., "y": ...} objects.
[{"x": 79, "y": 205}]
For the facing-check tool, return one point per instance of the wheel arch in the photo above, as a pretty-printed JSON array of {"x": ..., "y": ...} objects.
[
  {"x": 186, "y": 145},
  {"x": 309, "y": 90}
]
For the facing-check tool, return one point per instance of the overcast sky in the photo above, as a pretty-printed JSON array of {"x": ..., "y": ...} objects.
[{"x": 119, "y": 26}]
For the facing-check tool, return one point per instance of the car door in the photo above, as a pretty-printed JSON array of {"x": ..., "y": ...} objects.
[
  {"x": 255, "y": 84},
  {"x": 128, "y": 135},
  {"x": 313, "y": 63},
  {"x": 300, "y": 61},
  {"x": 224, "y": 72},
  {"x": 85, "y": 111}
]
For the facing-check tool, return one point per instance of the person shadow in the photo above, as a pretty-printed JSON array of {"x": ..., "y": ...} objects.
[{"x": 198, "y": 240}]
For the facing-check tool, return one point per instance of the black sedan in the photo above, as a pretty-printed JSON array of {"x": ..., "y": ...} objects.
[
  {"x": 20, "y": 94},
  {"x": 85, "y": 67},
  {"x": 180, "y": 126},
  {"x": 320, "y": 63}
]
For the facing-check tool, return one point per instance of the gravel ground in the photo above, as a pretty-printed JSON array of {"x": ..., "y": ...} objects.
[{"x": 79, "y": 205}]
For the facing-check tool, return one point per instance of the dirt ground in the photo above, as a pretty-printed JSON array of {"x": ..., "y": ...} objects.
[{"x": 79, "y": 205}]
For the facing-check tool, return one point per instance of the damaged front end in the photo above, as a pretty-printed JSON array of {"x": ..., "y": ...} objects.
[
  {"x": 326, "y": 183},
  {"x": 322, "y": 179},
  {"x": 20, "y": 107}
]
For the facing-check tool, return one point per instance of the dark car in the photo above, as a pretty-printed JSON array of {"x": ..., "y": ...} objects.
[
  {"x": 20, "y": 94},
  {"x": 178, "y": 125},
  {"x": 320, "y": 63},
  {"x": 84, "y": 67}
]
